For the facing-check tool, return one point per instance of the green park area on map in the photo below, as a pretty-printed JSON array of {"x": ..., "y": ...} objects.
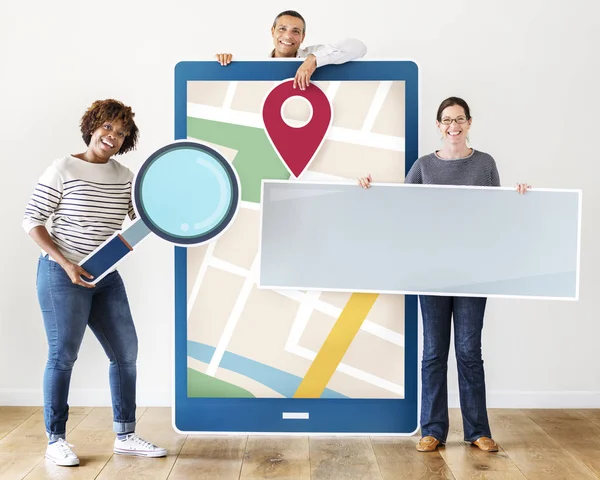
[{"x": 255, "y": 160}]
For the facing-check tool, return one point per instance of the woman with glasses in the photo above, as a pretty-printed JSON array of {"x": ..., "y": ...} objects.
[{"x": 454, "y": 164}]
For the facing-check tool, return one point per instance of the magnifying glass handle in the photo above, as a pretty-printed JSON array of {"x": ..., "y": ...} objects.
[{"x": 102, "y": 260}]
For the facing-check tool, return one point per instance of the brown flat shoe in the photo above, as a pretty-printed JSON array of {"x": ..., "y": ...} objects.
[
  {"x": 428, "y": 444},
  {"x": 486, "y": 444}
]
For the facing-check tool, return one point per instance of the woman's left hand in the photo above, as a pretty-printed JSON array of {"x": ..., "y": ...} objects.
[{"x": 522, "y": 188}]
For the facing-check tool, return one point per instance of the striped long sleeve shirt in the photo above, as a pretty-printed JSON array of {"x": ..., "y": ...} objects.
[{"x": 85, "y": 203}]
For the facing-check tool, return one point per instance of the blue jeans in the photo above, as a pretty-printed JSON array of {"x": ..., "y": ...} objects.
[
  {"x": 67, "y": 310},
  {"x": 468, "y": 315}
]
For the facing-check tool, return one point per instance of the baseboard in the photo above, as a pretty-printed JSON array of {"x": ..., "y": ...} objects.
[
  {"x": 519, "y": 399},
  {"x": 81, "y": 398}
]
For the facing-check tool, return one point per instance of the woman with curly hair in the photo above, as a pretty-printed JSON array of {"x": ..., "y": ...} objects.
[{"x": 86, "y": 197}]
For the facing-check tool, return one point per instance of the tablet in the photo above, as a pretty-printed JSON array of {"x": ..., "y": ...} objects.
[{"x": 269, "y": 361}]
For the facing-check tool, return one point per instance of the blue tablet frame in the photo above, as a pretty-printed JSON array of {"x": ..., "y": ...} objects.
[{"x": 264, "y": 415}]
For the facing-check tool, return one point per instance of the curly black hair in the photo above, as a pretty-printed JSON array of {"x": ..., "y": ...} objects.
[{"x": 110, "y": 110}]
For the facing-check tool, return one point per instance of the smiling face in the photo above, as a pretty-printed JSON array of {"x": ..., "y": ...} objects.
[
  {"x": 107, "y": 139},
  {"x": 108, "y": 128},
  {"x": 454, "y": 125},
  {"x": 288, "y": 35}
]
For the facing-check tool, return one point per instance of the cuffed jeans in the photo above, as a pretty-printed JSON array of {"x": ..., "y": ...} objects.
[
  {"x": 67, "y": 310},
  {"x": 468, "y": 315}
]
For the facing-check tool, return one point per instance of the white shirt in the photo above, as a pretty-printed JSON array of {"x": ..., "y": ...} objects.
[{"x": 345, "y": 51}]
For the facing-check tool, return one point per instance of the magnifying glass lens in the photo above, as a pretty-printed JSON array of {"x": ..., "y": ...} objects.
[{"x": 187, "y": 193}]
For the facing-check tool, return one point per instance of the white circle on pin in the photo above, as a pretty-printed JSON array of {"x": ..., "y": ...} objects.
[{"x": 296, "y": 111}]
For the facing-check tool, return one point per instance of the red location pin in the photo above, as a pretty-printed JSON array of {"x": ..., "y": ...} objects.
[{"x": 296, "y": 146}]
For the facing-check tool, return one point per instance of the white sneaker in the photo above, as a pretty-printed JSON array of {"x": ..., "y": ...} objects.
[
  {"x": 134, "y": 445},
  {"x": 60, "y": 453}
]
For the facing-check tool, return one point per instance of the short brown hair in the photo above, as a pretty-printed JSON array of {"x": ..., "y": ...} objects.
[
  {"x": 107, "y": 111},
  {"x": 451, "y": 101},
  {"x": 291, "y": 13}
]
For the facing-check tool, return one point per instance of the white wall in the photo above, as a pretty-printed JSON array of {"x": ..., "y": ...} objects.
[{"x": 530, "y": 70}]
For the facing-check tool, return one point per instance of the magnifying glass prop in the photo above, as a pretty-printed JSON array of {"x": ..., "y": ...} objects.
[{"x": 186, "y": 193}]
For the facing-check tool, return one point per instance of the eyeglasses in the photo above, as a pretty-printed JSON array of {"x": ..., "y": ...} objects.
[{"x": 448, "y": 121}]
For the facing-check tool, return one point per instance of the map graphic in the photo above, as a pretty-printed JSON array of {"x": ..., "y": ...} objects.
[
  {"x": 279, "y": 349},
  {"x": 261, "y": 343}
]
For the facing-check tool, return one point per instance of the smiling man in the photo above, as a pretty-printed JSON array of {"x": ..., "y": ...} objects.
[{"x": 288, "y": 32}]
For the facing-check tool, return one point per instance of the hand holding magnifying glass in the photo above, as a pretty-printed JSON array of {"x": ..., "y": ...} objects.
[{"x": 185, "y": 192}]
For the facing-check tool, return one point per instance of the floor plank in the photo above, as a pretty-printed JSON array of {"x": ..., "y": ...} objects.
[
  {"x": 209, "y": 458},
  {"x": 591, "y": 414},
  {"x": 12, "y": 417},
  {"x": 276, "y": 457},
  {"x": 532, "y": 450},
  {"x": 535, "y": 444},
  {"x": 399, "y": 460},
  {"x": 17, "y": 465},
  {"x": 337, "y": 458},
  {"x": 574, "y": 432},
  {"x": 471, "y": 474}
]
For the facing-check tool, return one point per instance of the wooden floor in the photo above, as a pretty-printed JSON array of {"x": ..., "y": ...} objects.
[{"x": 535, "y": 444}]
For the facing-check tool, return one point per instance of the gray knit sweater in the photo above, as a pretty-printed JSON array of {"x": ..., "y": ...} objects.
[{"x": 477, "y": 169}]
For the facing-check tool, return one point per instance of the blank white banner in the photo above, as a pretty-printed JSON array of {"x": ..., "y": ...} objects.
[{"x": 420, "y": 239}]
